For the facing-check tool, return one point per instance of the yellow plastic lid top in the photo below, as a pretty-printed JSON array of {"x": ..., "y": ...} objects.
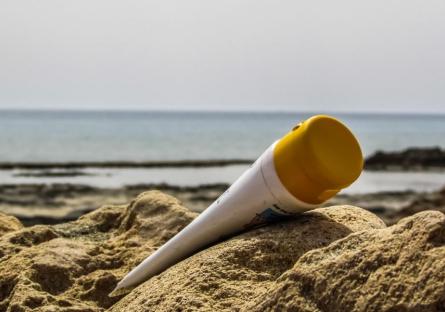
[{"x": 317, "y": 159}]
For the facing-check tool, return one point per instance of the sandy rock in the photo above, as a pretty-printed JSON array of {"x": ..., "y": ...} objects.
[
  {"x": 340, "y": 258},
  {"x": 334, "y": 259},
  {"x": 74, "y": 266},
  {"x": 400, "y": 268},
  {"x": 9, "y": 224},
  {"x": 244, "y": 268}
]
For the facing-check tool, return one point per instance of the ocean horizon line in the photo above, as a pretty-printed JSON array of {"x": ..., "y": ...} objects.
[{"x": 218, "y": 112}]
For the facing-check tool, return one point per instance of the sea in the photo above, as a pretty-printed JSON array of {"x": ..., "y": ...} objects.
[{"x": 64, "y": 136}]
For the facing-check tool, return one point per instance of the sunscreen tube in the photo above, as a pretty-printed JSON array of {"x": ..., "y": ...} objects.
[{"x": 306, "y": 167}]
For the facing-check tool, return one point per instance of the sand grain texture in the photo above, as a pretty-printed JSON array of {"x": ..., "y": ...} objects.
[
  {"x": 341, "y": 258},
  {"x": 400, "y": 268},
  {"x": 74, "y": 266},
  {"x": 9, "y": 224}
]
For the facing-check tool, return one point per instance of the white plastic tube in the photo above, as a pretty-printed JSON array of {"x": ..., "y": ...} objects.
[
  {"x": 315, "y": 160},
  {"x": 257, "y": 197}
]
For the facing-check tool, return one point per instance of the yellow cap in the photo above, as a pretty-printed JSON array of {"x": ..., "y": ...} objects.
[{"x": 317, "y": 159}]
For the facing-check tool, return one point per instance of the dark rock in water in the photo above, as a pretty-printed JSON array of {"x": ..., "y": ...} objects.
[
  {"x": 51, "y": 174},
  {"x": 409, "y": 159},
  {"x": 198, "y": 163},
  {"x": 339, "y": 258}
]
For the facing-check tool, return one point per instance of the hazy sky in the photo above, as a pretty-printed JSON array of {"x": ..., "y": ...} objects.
[{"x": 309, "y": 55}]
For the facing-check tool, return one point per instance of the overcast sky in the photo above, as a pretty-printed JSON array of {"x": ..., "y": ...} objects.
[{"x": 309, "y": 55}]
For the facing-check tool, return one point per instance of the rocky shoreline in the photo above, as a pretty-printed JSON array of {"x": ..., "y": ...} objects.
[
  {"x": 52, "y": 203},
  {"x": 340, "y": 258},
  {"x": 58, "y": 203}
]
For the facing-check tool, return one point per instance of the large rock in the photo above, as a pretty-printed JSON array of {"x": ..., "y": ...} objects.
[
  {"x": 245, "y": 268},
  {"x": 74, "y": 266},
  {"x": 340, "y": 258},
  {"x": 400, "y": 268}
]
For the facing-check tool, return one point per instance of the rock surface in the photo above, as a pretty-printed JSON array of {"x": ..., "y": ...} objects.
[
  {"x": 9, "y": 224},
  {"x": 400, "y": 268},
  {"x": 232, "y": 273},
  {"x": 340, "y": 258},
  {"x": 74, "y": 266}
]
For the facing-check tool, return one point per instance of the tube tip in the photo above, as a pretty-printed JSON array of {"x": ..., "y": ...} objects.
[{"x": 120, "y": 290}]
